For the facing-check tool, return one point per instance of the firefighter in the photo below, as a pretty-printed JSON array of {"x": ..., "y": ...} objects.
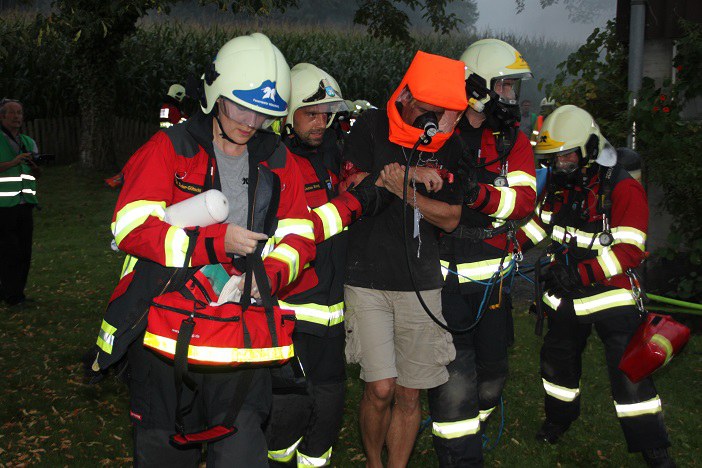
[
  {"x": 596, "y": 215},
  {"x": 546, "y": 106},
  {"x": 499, "y": 186},
  {"x": 307, "y": 417},
  {"x": 225, "y": 146},
  {"x": 171, "y": 108}
]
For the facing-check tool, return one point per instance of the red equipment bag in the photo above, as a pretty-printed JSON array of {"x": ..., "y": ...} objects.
[
  {"x": 185, "y": 328},
  {"x": 654, "y": 344}
]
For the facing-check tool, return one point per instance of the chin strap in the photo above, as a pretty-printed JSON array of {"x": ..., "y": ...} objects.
[{"x": 222, "y": 133}]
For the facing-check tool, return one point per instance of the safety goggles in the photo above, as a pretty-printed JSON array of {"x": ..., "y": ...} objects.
[{"x": 244, "y": 115}]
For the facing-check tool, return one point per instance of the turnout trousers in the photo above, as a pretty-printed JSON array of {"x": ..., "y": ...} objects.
[
  {"x": 637, "y": 405},
  {"x": 16, "y": 228},
  {"x": 460, "y": 407},
  {"x": 306, "y": 421}
]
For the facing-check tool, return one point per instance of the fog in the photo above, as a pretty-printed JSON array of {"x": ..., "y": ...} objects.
[{"x": 549, "y": 23}]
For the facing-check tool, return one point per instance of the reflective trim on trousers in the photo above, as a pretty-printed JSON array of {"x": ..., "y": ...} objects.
[
  {"x": 651, "y": 406},
  {"x": 456, "y": 429},
  {"x": 560, "y": 393}
]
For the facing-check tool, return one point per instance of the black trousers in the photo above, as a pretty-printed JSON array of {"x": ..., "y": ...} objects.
[
  {"x": 16, "y": 228},
  {"x": 313, "y": 415},
  {"x": 153, "y": 405},
  {"x": 476, "y": 378},
  {"x": 637, "y": 404}
]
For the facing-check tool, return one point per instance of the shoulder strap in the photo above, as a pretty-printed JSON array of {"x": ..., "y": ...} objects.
[{"x": 609, "y": 178}]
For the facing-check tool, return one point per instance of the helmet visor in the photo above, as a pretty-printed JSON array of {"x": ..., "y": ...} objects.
[
  {"x": 243, "y": 115},
  {"x": 562, "y": 162},
  {"x": 508, "y": 89},
  {"x": 324, "y": 111}
]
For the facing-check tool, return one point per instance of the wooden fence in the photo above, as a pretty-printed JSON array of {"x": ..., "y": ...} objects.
[{"x": 62, "y": 137}]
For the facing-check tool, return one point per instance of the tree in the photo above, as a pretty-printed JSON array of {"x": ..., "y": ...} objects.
[
  {"x": 97, "y": 30},
  {"x": 579, "y": 11}
]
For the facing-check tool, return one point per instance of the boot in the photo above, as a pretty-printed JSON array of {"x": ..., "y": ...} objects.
[
  {"x": 550, "y": 432},
  {"x": 658, "y": 458}
]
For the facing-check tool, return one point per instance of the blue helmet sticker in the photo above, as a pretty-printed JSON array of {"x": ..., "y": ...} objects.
[
  {"x": 330, "y": 91},
  {"x": 265, "y": 96}
]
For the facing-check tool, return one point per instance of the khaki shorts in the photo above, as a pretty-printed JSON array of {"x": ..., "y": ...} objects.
[{"x": 390, "y": 335}]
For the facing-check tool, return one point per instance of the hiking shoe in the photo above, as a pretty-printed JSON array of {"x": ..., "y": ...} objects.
[
  {"x": 658, "y": 458},
  {"x": 550, "y": 432}
]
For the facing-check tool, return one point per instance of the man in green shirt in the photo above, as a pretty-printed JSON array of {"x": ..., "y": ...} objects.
[{"x": 17, "y": 199}]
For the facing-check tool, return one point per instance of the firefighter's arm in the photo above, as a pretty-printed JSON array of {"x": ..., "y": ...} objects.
[
  {"x": 629, "y": 225},
  {"x": 517, "y": 200},
  {"x": 138, "y": 225},
  {"x": 294, "y": 239},
  {"x": 532, "y": 232},
  {"x": 332, "y": 217}
]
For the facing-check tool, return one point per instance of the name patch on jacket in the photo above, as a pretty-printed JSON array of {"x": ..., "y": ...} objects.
[
  {"x": 188, "y": 187},
  {"x": 313, "y": 186}
]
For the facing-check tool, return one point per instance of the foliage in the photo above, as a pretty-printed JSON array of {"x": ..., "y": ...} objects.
[
  {"x": 579, "y": 11},
  {"x": 594, "y": 77},
  {"x": 50, "y": 418}
]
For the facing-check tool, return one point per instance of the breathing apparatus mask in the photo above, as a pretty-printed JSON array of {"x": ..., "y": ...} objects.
[
  {"x": 499, "y": 104},
  {"x": 431, "y": 120}
]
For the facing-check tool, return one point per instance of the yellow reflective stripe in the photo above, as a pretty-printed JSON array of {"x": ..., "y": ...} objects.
[
  {"x": 133, "y": 214},
  {"x": 290, "y": 257},
  {"x": 317, "y": 313},
  {"x": 483, "y": 270},
  {"x": 546, "y": 216},
  {"x": 284, "y": 455},
  {"x": 18, "y": 178},
  {"x": 508, "y": 200},
  {"x": 664, "y": 343},
  {"x": 306, "y": 460},
  {"x": 629, "y": 235},
  {"x": 521, "y": 179},
  {"x": 444, "y": 269},
  {"x": 609, "y": 262},
  {"x": 534, "y": 231},
  {"x": 221, "y": 355},
  {"x": 651, "y": 406},
  {"x": 268, "y": 247},
  {"x": 484, "y": 414},
  {"x": 176, "y": 246},
  {"x": 106, "y": 337},
  {"x": 456, "y": 429},
  {"x": 560, "y": 393},
  {"x": 128, "y": 266},
  {"x": 606, "y": 300},
  {"x": 331, "y": 219},
  {"x": 301, "y": 227},
  {"x": 552, "y": 301}
]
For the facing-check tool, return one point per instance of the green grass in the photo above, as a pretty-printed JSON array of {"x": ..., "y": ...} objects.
[{"x": 49, "y": 417}]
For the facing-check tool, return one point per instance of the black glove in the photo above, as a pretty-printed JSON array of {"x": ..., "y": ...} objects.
[
  {"x": 560, "y": 279},
  {"x": 467, "y": 178},
  {"x": 373, "y": 199}
]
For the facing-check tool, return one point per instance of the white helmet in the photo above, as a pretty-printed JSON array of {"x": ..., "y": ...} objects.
[
  {"x": 570, "y": 128},
  {"x": 548, "y": 102},
  {"x": 489, "y": 61},
  {"x": 312, "y": 86},
  {"x": 251, "y": 72},
  {"x": 177, "y": 92}
]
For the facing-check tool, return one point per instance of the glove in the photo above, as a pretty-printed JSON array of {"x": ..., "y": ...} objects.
[
  {"x": 373, "y": 199},
  {"x": 560, "y": 279},
  {"x": 468, "y": 181}
]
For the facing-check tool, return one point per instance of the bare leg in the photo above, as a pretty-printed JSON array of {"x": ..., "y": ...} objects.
[
  {"x": 404, "y": 424},
  {"x": 375, "y": 418}
]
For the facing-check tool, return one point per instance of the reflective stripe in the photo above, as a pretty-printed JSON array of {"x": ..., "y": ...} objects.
[
  {"x": 444, "y": 268},
  {"x": 284, "y": 455},
  {"x": 609, "y": 263},
  {"x": 221, "y": 355},
  {"x": 12, "y": 194},
  {"x": 176, "y": 246},
  {"x": 306, "y": 460},
  {"x": 165, "y": 125},
  {"x": 546, "y": 216},
  {"x": 552, "y": 301},
  {"x": 629, "y": 235},
  {"x": 521, "y": 179},
  {"x": 456, "y": 429},
  {"x": 268, "y": 247},
  {"x": 164, "y": 112},
  {"x": 584, "y": 239},
  {"x": 17, "y": 178},
  {"x": 651, "y": 406},
  {"x": 508, "y": 200},
  {"x": 317, "y": 313},
  {"x": 484, "y": 414},
  {"x": 534, "y": 231},
  {"x": 133, "y": 214},
  {"x": 331, "y": 219},
  {"x": 290, "y": 257},
  {"x": 106, "y": 337},
  {"x": 560, "y": 393},
  {"x": 301, "y": 227},
  {"x": 480, "y": 271},
  {"x": 128, "y": 266},
  {"x": 606, "y": 300},
  {"x": 664, "y": 343}
]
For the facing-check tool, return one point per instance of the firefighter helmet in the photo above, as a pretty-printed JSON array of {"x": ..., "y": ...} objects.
[
  {"x": 250, "y": 72},
  {"x": 177, "y": 92},
  {"x": 570, "y": 128},
  {"x": 547, "y": 102},
  {"x": 312, "y": 86}
]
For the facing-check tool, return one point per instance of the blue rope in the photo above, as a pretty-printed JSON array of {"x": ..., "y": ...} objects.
[{"x": 486, "y": 439}]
